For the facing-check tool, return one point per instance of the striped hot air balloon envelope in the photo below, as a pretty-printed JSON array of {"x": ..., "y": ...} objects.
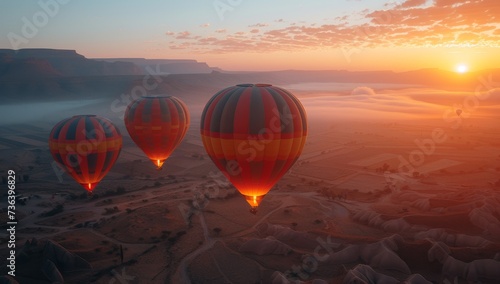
[
  {"x": 157, "y": 124},
  {"x": 254, "y": 133},
  {"x": 86, "y": 146}
]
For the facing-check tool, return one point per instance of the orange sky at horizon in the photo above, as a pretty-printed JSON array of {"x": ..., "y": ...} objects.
[
  {"x": 359, "y": 59},
  {"x": 397, "y": 35},
  {"x": 396, "y": 59}
]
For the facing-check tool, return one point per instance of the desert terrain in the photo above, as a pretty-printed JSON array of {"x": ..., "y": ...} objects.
[{"x": 392, "y": 186}]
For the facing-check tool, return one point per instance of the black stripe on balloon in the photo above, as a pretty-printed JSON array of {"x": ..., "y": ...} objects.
[
  {"x": 257, "y": 117},
  {"x": 256, "y": 169},
  {"x": 180, "y": 111},
  {"x": 89, "y": 128},
  {"x": 109, "y": 129},
  {"x": 207, "y": 106},
  {"x": 184, "y": 117},
  {"x": 215, "y": 120},
  {"x": 164, "y": 110},
  {"x": 302, "y": 112},
  {"x": 92, "y": 162},
  {"x": 278, "y": 166},
  {"x": 228, "y": 114},
  {"x": 58, "y": 158},
  {"x": 71, "y": 133},
  {"x": 228, "y": 170},
  {"x": 107, "y": 160},
  {"x": 57, "y": 131},
  {"x": 74, "y": 163},
  {"x": 284, "y": 111},
  {"x": 146, "y": 110},
  {"x": 132, "y": 109}
]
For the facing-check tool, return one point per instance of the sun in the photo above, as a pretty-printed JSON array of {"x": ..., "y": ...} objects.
[{"x": 462, "y": 68}]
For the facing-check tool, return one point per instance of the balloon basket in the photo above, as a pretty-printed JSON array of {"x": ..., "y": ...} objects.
[{"x": 253, "y": 210}]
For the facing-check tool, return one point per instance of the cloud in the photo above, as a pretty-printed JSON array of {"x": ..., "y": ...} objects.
[
  {"x": 183, "y": 35},
  {"x": 205, "y": 25},
  {"x": 413, "y": 3},
  {"x": 258, "y": 25},
  {"x": 414, "y": 23},
  {"x": 363, "y": 91}
]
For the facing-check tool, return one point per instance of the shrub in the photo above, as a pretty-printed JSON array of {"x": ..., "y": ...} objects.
[
  {"x": 217, "y": 230},
  {"x": 58, "y": 209}
]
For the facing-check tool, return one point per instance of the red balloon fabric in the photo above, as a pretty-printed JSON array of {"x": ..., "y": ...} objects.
[
  {"x": 254, "y": 133},
  {"x": 157, "y": 125},
  {"x": 86, "y": 146}
]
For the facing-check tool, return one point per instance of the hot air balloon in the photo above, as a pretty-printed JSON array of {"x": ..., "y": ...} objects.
[
  {"x": 253, "y": 133},
  {"x": 157, "y": 124},
  {"x": 458, "y": 112},
  {"x": 86, "y": 146}
]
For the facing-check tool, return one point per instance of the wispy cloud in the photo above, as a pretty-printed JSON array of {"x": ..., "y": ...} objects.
[
  {"x": 258, "y": 25},
  {"x": 414, "y": 23}
]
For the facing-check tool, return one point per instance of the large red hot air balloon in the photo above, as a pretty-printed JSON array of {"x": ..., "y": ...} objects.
[
  {"x": 254, "y": 133},
  {"x": 87, "y": 146},
  {"x": 157, "y": 124}
]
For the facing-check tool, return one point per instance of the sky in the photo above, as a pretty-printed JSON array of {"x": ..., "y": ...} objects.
[{"x": 394, "y": 35}]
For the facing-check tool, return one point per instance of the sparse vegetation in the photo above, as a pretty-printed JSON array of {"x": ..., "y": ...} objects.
[
  {"x": 175, "y": 238},
  {"x": 56, "y": 210},
  {"x": 217, "y": 230},
  {"x": 164, "y": 234},
  {"x": 111, "y": 210},
  {"x": 107, "y": 201},
  {"x": 382, "y": 169},
  {"x": 118, "y": 191}
]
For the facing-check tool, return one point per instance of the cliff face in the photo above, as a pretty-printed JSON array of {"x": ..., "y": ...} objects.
[
  {"x": 39, "y": 62},
  {"x": 29, "y": 67},
  {"x": 50, "y": 63},
  {"x": 166, "y": 66}
]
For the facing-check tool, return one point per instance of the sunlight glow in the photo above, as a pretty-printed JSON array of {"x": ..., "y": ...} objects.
[{"x": 462, "y": 68}]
